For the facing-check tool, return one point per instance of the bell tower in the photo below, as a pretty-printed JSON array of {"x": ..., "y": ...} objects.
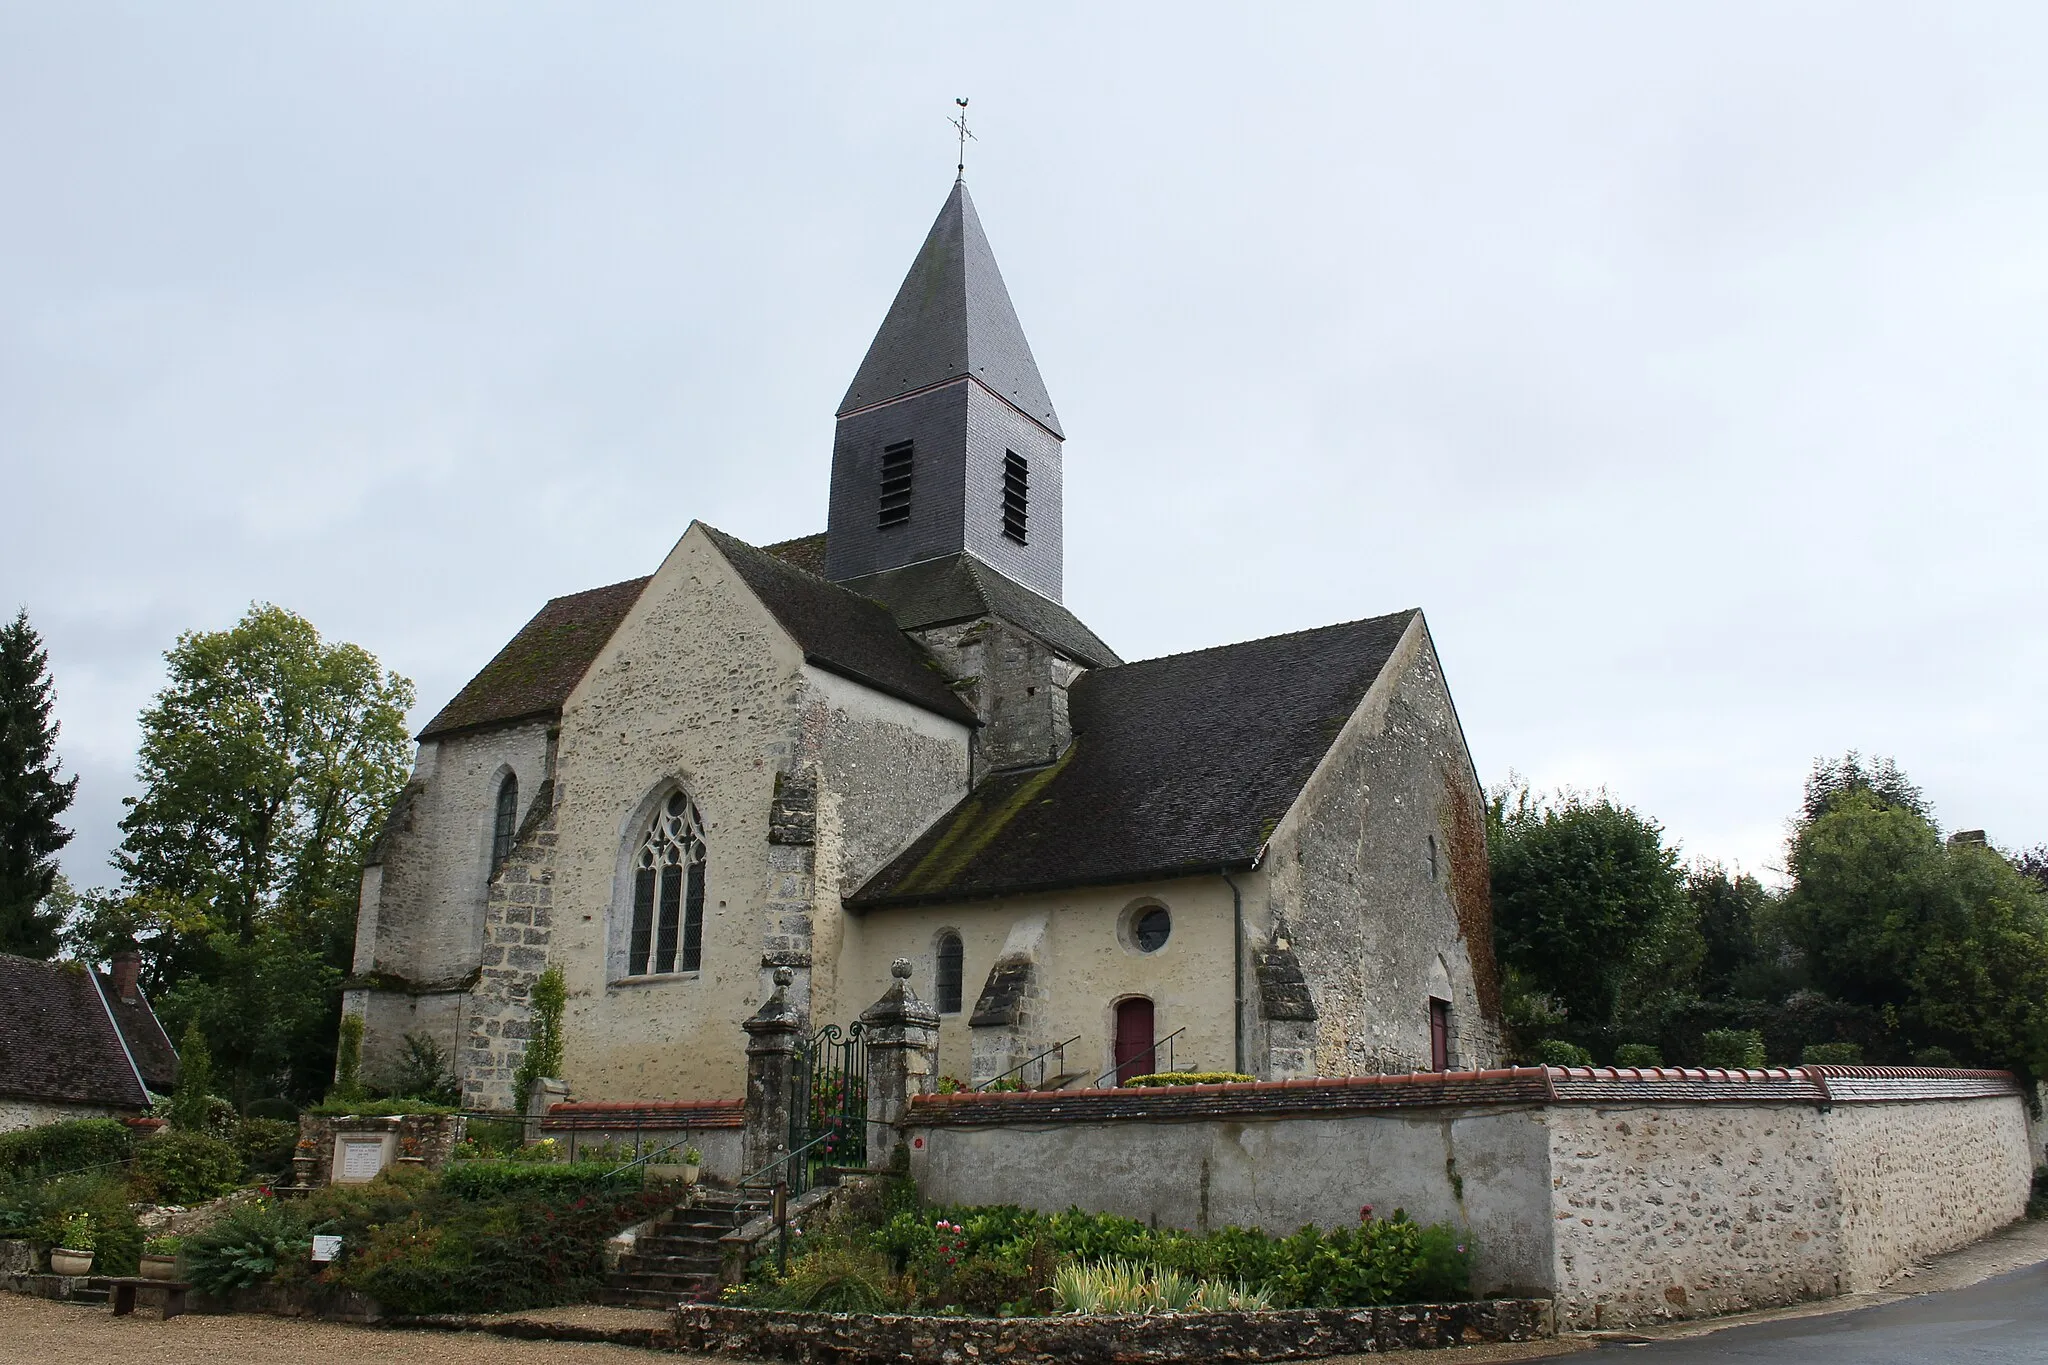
[{"x": 947, "y": 441}]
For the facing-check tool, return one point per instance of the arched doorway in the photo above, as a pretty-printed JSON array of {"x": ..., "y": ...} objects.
[{"x": 1134, "y": 1039}]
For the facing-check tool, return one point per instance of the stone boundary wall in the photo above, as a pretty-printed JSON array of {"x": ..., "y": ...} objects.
[
  {"x": 1626, "y": 1195},
  {"x": 832, "y": 1338},
  {"x": 431, "y": 1137},
  {"x": 717, "y": 1128}
]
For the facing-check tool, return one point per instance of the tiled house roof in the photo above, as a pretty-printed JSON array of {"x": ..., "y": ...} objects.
[
  {"x": 58, "y": 1042},
  {"x": 148, "y": 1044},
  {"x": 535, "y": 673},
  {"x": 959, "y": 587},
  {"x": 1179, "y": 765}
]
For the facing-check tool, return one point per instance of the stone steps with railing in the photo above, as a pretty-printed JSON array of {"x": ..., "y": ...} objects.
[{"x": 677, "y": 1259}]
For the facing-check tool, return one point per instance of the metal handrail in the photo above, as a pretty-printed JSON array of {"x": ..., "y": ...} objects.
[
  {"x": 784, "y": 1160},
  {"x": 644, "y": 1157},
  {"x": 1060, "y": 1048},
  {"x": 1152, "y": 1052}
]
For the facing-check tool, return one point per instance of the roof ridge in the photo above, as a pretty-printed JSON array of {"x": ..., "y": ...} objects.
[
  {"x": 602, "y": 587},
  {"x": 1268, "y": 639}
]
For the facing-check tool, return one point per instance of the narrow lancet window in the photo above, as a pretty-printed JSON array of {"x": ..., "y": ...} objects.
[
  {"x": 668, "y": 893},
  {"x": 1016, "y": 496},
  {"x": 898, "y": 460},
  {"x": 505, "y": 824},
  {"x": 952, "y": 969}
]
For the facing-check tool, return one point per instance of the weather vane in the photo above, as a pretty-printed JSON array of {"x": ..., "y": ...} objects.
[{"x": 961, "y": 124}]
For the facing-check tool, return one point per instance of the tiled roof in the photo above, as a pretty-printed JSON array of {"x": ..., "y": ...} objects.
[
  {"x": 669, "y": 1115},
  {"x": 535, "y": 673},
  {"x": 57, "y": 1042},
  {"x": 842, "y": 631},
  {"x": 806, "y": 552},
  {"x": 147, "y": 1042},
  {"x": 1179, "y": 765},
  {"x": 952, "y": 317},
  {"x": 959, "y": 587}
]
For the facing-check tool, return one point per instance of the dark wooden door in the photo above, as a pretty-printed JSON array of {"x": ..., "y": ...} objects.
[
  {"x": 1133, "y": 1039},
  {"x": 1439, "y": 1035}
]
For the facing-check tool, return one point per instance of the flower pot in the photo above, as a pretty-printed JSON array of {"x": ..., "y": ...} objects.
[
  {"x": 159, "y": 1267},
  {"x": 690, "y": 1174},
  {"x": 64, "y": 1261}
]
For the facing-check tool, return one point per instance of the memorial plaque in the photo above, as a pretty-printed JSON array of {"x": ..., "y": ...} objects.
[
  {"x": 326, "y": 1248},
  {"x": 360, "y": 1159}
]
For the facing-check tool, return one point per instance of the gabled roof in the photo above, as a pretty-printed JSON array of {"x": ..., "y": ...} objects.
[
  {"x": 842, "y": 631},
  {"x": 806, "y": 552},
  {"x": 959, "y": 587},
  {"x": 535, "y": 673},
  {"x": 148, "y": 1045},
  {"x": 952, "y": 317},
  {"x": 1179, "y": 765},
  {"x": 57, "y": 1038}
]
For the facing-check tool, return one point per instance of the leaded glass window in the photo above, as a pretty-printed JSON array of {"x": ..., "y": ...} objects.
[
  {"x": 668, "y": 893},
  {"x": 505, "y": 825},
  {"x": 952, "y": 964}
]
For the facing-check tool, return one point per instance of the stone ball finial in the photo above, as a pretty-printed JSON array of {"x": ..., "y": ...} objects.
[
  {"x": 900, "y": 969},
  {"x": 783, "y": 976}
]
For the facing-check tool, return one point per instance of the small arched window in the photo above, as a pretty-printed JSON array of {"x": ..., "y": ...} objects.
[
  {"x": 952, "y": 970},
  {"x": 668, "y": 892},
  {"x": 505, "y": 825}
]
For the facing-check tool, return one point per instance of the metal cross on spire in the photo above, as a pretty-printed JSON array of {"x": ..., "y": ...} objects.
[{"x": 960, "y": 170}]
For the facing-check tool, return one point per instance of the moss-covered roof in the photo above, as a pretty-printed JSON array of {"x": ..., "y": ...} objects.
[
  {"x": 533, "y": 674},
  {"x": 1179, "y": 766}
]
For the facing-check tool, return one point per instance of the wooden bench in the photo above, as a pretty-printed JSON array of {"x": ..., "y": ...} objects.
[{"x": 171, "y": 1294}]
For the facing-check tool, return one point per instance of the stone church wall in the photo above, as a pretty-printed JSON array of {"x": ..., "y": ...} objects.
[{"x": 1376, "y": 882}]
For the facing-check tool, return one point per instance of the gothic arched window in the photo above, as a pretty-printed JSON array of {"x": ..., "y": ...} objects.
[
  {"x": 505, "y": 825},
  {"x": 952, "y": 968},
  {"x": 668, "y": 892}
]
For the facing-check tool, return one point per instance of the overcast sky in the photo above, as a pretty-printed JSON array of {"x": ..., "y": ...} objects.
[{"x": 1684, "y": 364}]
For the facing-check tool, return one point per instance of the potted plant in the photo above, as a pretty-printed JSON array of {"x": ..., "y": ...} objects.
[
  {"x": 73, "y": 1253},
  {"x": 160, "y": 1258},
  {"x": 693, "y": 1165}
]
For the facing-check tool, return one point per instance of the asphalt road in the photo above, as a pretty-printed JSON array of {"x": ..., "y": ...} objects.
[{"x": 2000, "y": 1321}]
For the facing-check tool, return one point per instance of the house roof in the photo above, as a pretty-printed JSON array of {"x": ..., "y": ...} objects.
[
  {"x": 57, "y": 1039},
  {"x": 959, "y": 587},
  {"x": 148, "y": 1044},
  {"x": 952, "y": 317},
  {"x": 842, "y": 631},
  {"x": 541, "y": 665},
  {"x": 1179, "y": 765},
  {"x": 806, "y": 552}
]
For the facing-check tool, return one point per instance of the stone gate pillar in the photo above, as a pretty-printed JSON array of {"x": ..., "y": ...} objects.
[
  {"x": 902, "y": 1034},
  {"x": 772, "y": 1038}
]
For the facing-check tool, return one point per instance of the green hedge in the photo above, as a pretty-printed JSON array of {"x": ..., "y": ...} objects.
[
  {"x": 498, "y": 1179},
  {"x": 379, "y": 1108},
  {"x": 1188, "y": 1078},
  {"x": 56, "y": 1148},
  {"x": 186, "y": 1168},
  {"x": 1557, "y": 1052},
  {"x": 1732, "y": 1047}
]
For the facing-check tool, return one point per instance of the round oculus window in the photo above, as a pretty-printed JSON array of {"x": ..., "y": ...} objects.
[{"x": 1150, "y": 928}]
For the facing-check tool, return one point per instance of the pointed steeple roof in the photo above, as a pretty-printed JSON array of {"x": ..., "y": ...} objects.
[{"x": 952, "y": 317}]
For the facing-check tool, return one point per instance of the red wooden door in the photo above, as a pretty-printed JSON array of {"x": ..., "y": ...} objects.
[{"x": 1134, "y": 1039}]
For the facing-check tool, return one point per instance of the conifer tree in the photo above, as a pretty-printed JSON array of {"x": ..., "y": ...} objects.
[{"x": 31, "y": 795}]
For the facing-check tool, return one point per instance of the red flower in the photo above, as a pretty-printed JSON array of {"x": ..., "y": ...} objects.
[{"x": 1365, "y": 1214}]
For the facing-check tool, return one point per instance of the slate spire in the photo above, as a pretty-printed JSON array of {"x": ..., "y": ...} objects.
[
  {"x": 947, "y": 442},
  {"x": 952, "y": 317}
]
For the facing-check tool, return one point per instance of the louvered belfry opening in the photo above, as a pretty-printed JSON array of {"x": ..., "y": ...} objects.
[
  {"x": 1016, "y": 496},
  {"x": 898, "y": 461}
]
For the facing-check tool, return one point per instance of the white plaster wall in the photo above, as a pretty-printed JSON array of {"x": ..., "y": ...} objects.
[
  {"x": 16, "y": 1114},
  {"x": 1085, "y": 967},
  {"x": 1915, "y": 1180},
  {"x": 1275, "y": 1174},
  {"x": 1365, "y": 875}
]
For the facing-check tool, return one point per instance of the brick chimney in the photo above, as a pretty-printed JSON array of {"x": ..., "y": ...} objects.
[{"x": 124, "y": 967}]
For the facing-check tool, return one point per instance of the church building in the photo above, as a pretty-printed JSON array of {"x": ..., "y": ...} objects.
[{"x": 892, "y": 740}]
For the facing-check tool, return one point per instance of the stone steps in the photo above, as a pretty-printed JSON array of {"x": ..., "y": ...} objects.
[{"x": 678, "y": 1259}]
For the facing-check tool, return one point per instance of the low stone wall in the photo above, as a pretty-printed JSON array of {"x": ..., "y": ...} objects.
[
  {"x": 428, "y": 1138},
  {"x": 1625, "y": 1195},
  {"x": 835, "y": 1338},
  {"x": 717, "y": 1128}
]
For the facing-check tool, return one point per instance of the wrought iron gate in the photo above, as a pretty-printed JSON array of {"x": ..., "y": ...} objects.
[{"x": 828, "y": 1104}]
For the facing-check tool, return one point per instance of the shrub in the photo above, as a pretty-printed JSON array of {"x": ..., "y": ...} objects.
[
  {"x": 191, "y": 1101},
  {"x": 543, "y": 1055},
  {"x": 424, "y": 1072},
  {"x": 282, "y": 1110},
  {"x": 184, "y": 1168},
  {"x": 478, "y": 1180},
  {"x": 348, "y": 1061},
  {"x": 1557, "y": 1052},
  {"x": 60, "y": 1148},
  {"x": 1934, "y": 1056},
  {"x": 832, "y": 1280},
  {"x": 245, "y": 1247},
  {"x": 1189, "y": 1078},
  {"x": 266, "y": 1144},
  {"x": 39, "y": 1213},
  {"x": 1637, "y": 1054},
  {"x": 1731, "y": 1047},
  {"x": 1125, "y": 1287},
  {"x": 163, "y": 1246},
  {"x": 1831, "y": 1054},
  {"x": 337, "y": 1104}
]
